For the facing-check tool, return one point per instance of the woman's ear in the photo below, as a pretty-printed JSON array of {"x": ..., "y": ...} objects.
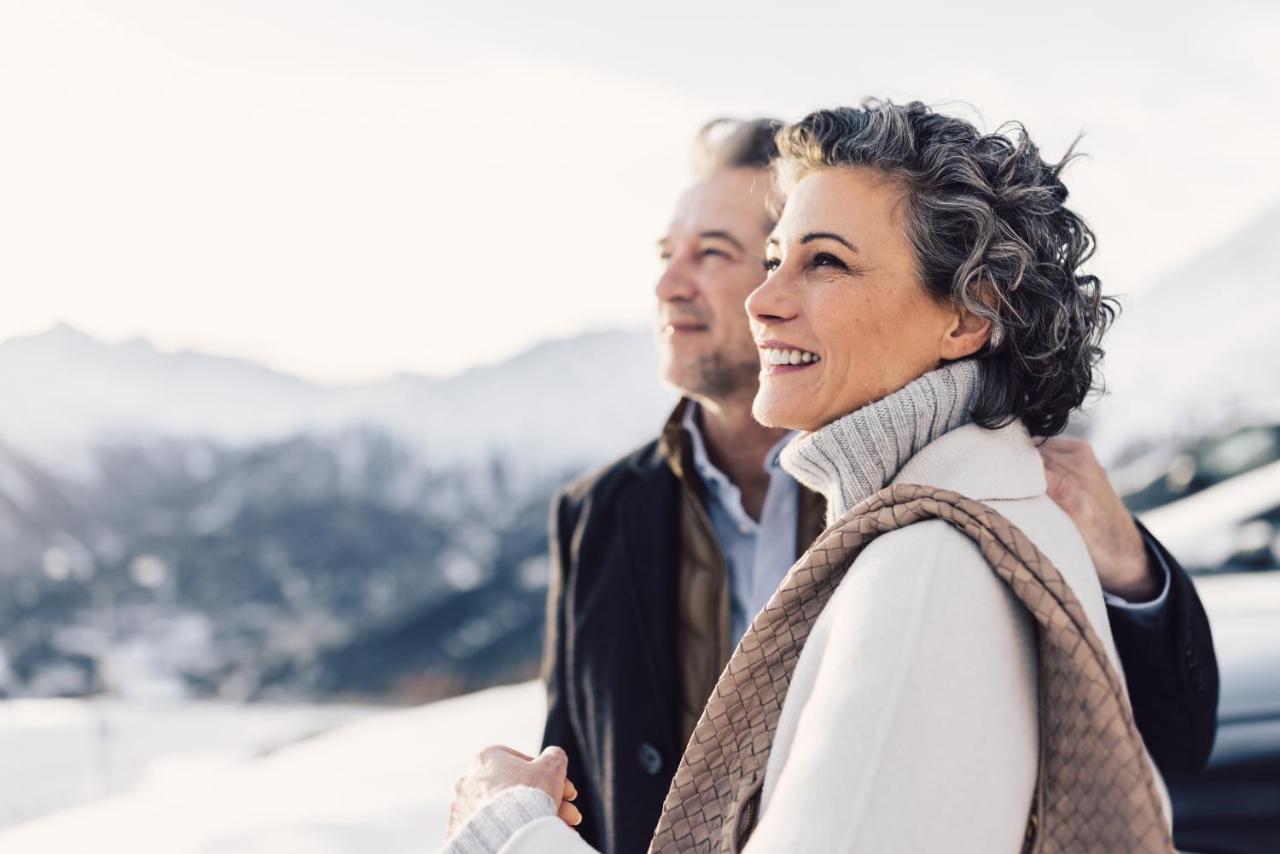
[{"x": 965, "y": 335}]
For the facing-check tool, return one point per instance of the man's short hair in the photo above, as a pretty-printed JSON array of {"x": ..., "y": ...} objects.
[{"x": 735, "y": 144}]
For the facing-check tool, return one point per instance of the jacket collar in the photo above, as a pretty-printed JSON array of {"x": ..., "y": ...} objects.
[
  {"x": 980, "y": 463},
  {"x": 674, "y": 449},
  {"x": 674, "y": 444}
]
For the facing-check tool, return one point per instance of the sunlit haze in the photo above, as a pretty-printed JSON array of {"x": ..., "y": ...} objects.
[{"x": 345, "y": 190}]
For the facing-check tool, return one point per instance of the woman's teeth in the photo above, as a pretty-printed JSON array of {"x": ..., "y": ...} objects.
[{"x": 787, "y": 357}]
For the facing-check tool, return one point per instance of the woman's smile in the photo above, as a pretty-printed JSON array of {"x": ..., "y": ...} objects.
[{"x": 777, "y": 357}]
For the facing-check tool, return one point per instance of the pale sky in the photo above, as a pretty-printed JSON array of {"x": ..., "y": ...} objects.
[{"x": 347, "y": 189}]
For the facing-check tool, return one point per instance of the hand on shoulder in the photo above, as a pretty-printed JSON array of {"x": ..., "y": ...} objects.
[{"x": 1079, "y": 484}]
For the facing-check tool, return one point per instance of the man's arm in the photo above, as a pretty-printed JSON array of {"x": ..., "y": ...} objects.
[
  {"x": 1171, "y": 670},
  {"x": 559, "y": 730},
  {"x": 1158, "y": 624}
]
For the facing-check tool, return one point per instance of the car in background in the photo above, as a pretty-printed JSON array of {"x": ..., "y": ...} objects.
[
  {"x": 1217, "y": 508},
  {"x": 1162, "y": 476},
  {"x": 1234, "y": 804}
]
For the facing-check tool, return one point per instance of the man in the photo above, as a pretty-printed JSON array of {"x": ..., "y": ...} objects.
[{"x": 661, "y": 560}]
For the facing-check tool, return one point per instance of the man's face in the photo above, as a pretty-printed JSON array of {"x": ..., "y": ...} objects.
[{"x": 714, "y": 256}]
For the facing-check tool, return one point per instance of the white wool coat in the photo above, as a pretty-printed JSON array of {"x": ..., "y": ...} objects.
[{"x": 911, "y": 720}]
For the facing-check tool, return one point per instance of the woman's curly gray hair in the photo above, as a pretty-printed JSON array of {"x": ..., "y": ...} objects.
[{"x": 987, "y": 219}]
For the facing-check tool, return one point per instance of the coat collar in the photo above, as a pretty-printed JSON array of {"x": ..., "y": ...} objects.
[
  {"x": 980, "y": 463},
  {"x": 675, "y": 452},
  {"x": 673, "y": 445}
]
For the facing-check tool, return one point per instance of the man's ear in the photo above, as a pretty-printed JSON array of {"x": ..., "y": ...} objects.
[{"x": 968, "y": 332}]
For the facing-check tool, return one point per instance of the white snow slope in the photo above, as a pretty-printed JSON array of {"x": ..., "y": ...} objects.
[
  {"x": 1200, "y": 349},
  {"x": 382, "y": 784}
]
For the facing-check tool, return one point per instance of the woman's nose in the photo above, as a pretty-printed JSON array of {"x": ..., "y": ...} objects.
[{"x": 772, "y": 302}]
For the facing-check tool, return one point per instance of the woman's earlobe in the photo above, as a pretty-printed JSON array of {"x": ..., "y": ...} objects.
[{"x": 967, "y": 335}]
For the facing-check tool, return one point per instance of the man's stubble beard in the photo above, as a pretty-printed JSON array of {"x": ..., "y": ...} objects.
[{"x": 715, "y": 377}]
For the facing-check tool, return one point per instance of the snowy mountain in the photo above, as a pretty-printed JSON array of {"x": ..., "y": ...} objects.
[
  {"x": 582, "y": 399},
  {"x": 178, "y": 524},
  {"x": 1200, "y": 350},
  {"x": 307, "y": 567}
]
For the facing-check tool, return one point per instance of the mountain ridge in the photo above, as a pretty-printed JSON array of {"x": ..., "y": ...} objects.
[{"x": 578, "y": 398}]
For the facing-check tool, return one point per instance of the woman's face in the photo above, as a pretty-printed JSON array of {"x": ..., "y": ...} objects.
[{"x": 843, "y": 319}]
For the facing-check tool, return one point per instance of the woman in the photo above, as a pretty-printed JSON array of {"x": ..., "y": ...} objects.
[{"x": 924, "y": 315}]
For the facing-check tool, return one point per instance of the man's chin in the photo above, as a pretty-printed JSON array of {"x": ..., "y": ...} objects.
[
  {"x": 681, "y": 364},
  {"x": 677, "y": 380}
]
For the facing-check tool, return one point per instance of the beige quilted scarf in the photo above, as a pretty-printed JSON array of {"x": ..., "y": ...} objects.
[{"x": 1095, "y": 790}]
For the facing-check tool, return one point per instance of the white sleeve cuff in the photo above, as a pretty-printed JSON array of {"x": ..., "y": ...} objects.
[
  {"x": 1146, "y": 612},
  {"x": 500, "y": 817}
]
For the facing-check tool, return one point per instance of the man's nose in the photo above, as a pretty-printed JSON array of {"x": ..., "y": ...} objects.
[{"x": 675, "y": 284}]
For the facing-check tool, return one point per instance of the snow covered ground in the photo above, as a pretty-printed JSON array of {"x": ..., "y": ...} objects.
[
  {"x": 381, "y": 783},
  {"x": 60, "y": 753},
  {"x": 210, "y": 781}
]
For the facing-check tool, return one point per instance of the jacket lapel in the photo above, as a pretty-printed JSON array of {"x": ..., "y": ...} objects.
[
  {"x": 649, "y": 522},
  {"x": 810, "y": 519}
]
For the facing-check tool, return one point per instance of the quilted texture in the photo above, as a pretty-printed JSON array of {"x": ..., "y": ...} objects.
[{"x": 1095, "y": 789}]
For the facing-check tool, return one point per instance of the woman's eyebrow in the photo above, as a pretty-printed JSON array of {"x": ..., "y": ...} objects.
[{"x": 828, "y": 235}]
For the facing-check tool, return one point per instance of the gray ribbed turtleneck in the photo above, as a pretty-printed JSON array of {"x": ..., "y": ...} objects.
[{"x": 856, "y": 455}]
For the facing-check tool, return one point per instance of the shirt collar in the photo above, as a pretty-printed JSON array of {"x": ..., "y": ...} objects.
[
  {"x": 702, "y": 461},
  {"x": 702, "y": 464},
  {"x": 773, "y": 461}
]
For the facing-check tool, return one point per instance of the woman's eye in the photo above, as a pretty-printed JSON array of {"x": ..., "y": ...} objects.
[
  {"x": 826, "y": 259},
  {"x": 771, "y": 264}
]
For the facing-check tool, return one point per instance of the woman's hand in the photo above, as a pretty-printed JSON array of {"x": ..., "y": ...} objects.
[{"x": 498, "y": 768}]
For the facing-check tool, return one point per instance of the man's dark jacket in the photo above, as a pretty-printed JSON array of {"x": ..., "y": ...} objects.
[{"x": 611, "y": 666}]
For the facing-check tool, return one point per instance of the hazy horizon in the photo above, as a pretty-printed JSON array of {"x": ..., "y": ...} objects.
[{"x": 63, "y": 326}]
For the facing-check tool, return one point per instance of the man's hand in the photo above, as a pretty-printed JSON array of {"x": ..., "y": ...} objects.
[
  {"x": 1080, "y": 486},
  {"x": 498, "y": 768}
]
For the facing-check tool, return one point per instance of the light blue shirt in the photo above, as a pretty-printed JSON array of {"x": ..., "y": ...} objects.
[{"x": 757, "y": 554}]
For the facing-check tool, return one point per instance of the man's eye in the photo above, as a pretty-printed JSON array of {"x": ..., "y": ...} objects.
[{"x": 707, "y": 253}]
